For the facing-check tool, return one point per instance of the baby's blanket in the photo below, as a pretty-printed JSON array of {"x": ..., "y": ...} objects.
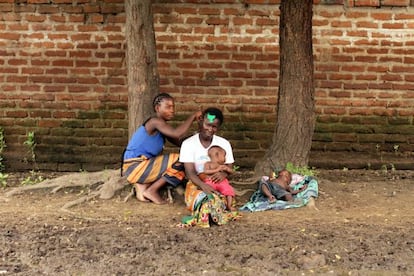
[{"x": 259, "y": 202}]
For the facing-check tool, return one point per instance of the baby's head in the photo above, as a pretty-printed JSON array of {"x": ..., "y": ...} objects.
[
  {"x": 217, "y": 154},
  {"x": 286, "y": 175}
]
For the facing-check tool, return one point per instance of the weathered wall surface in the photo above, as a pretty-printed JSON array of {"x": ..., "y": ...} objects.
[{"x": 63, "y": 76}]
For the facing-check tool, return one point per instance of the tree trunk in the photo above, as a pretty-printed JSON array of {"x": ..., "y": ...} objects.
[
  {"x": 295, "y": 116},
  {"x": 141, "y": 57}
]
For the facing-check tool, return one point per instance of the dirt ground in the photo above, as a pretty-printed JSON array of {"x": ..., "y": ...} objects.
[{"x": 363, "y": 226}]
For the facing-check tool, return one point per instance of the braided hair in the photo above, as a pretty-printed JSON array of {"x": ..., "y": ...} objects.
[{"x": 159, "y": 98}]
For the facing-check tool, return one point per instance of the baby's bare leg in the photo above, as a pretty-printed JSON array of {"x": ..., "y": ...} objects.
[
  {"x": 268, "y": 194},
  {"x": 229, "y": 203},
  {"x": 289, "y": 197}
]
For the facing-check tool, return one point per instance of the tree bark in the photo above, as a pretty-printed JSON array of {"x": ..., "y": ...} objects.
[
  {"x": 295, "y": 115},
  {"x": 141, "y": 57}
]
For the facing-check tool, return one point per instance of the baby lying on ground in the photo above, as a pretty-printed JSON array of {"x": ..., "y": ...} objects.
[{"x": 279, "y": 188}]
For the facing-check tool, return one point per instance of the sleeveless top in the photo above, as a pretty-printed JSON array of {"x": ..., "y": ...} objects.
[{"x": 144, "y": 144}]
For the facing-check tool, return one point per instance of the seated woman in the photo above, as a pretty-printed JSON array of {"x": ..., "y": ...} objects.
[
  {"x": 199, "y": 196},
  {"x": 143, "y": 162}
]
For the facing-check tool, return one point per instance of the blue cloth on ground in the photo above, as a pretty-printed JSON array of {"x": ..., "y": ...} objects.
[{"x": 259, "y": 202}]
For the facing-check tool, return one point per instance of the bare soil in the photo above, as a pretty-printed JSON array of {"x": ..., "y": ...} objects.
[{"x": 363, "y": 226}]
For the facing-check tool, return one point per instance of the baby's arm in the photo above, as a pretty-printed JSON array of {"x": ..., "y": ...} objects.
[
  {"x": 226, "y": 168},
  {"x": 294, "y": 192},
  {"x": 211, "y": 168}
]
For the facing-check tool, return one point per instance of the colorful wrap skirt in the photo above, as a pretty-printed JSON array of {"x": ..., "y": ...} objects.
[
  {"x": 143, "y": 170},
  {"x": 205, "y": 209}
]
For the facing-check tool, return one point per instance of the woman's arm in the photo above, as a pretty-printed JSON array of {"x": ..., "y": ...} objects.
[
  {"x": 222, "y": 174},
  {"x": 174, "y": 135}
]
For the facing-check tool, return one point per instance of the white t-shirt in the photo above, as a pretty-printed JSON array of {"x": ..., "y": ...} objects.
[{"x": 192, "y": 151}]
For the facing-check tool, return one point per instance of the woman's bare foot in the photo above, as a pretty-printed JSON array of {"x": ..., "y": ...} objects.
[
  {"x": 232, "y": 209},
  {"x": 154, "y": 197},
  {"x": 139, "y": 191}
]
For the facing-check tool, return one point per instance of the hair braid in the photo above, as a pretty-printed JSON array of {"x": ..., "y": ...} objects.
[{"x": 159, "y": 98}]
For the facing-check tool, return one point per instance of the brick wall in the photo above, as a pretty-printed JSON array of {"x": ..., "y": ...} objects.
[{"x": 63, "y": 75}]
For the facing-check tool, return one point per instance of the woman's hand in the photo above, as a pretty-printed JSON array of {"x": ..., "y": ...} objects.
[
  {"x": 218, "y": 176},
  {"x": 207, "y": 189},
  {"x": 198, "y": 115}
]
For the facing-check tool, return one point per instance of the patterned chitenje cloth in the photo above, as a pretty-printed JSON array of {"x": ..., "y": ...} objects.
[
  {"x": 259, "y": 202},
  {"x": 206, "y": 210},
  {"x": 143, "y": 170}
]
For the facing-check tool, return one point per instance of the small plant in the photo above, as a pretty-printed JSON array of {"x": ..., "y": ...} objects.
[
  {"x": 31, "y": 144},
  {"x": 2, "y": 147},
  {"x": 236, "y": 168},
  {"x": 3, "y": 176},
  {"x": 3, "y": 179},
  {"x": 396, "y": 148},
  {"x": 32, "y": 179},
  {"x": 304, "y": 170}
]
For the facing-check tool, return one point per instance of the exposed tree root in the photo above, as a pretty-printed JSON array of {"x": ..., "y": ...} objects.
[
  {"x": 83, "y": 217},
  {"x": 85, "y": 198},
  {"x": 102, "y": 184},
  {"x": 130, "y": 194},
  {"x": 243, "y": 192},
  {"x": 247, "y": 181},
  {"x": 4, "y": 199}
]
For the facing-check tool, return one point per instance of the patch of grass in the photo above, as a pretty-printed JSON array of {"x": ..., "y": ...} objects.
[
  {"x": 31, "y": 145},
  {"x": 302, "y": 170},
  {"x": 32, "y": 179},
  {"x": 3, "y": 176},
  {"x": 2, "y": 147},
  {"x": 3, "y": 179}
]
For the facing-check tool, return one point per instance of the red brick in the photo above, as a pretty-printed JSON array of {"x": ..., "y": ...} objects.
[
  {"x": 367, "y": 25},
  {"x": 50, "y": 123},
  {"x": 366, "y": 3},
  {"x": 217, "y": 21},
  {"x": 10, "y": 36},
  {"x": 35, "y": 18},
  {"x": 17, "y": 79},
  {"x": 16, "y": 114},
  {"x": 341, "y": 24},
  {"x": 48, "y": 9},
  {"x": 64, "y": 114},
  {"x": 87, "y": 28},
  {"x": 194, "y": 20},
  {"x": 32, "y": 71},
  {"x": 209, "y": 11},
  {"x": 382, "y": 16},
  {"x": 393, "y": 26},
  {"x": 395, "y": 3}
]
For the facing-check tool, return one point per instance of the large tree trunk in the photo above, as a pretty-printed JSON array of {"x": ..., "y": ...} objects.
[
  {"x": 295, "y": 117},
  {"x": 141, "y": 57}
]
